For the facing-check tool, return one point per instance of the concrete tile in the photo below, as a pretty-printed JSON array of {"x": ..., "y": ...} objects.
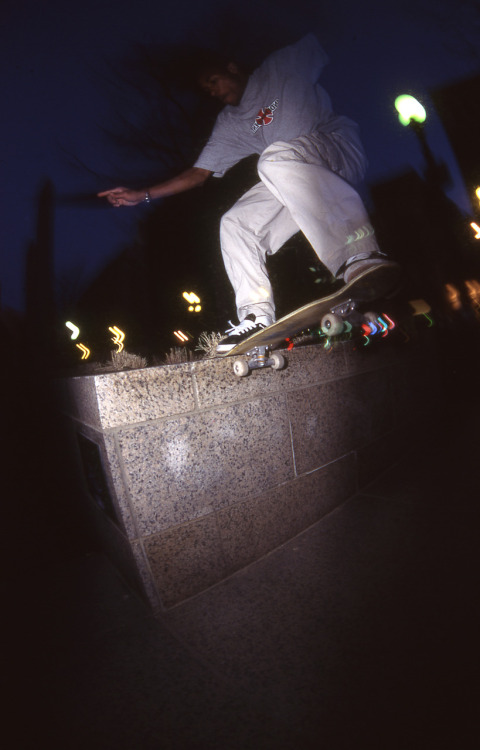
[
  {"x": 78, "y": 398},
  {"x": 314, "y": 416},
  {"x": 399, "y": 479},
  {"x": 305, "y": 365},
  {"x": 360, "y": 358},
  {"x": 313, "y": 364},
  {"x": 144, "y": 395},
  {"x": 366, "y": 408},
  {"x": 217, "y": 384},
  {"x": 186, "y": 559},
  {"x": 376, "y": 457},
  {"x": 253, "y": 528},
  {"x": 184, "y": 468},
  {"x": 146, "y": 576},
  {"x": 135, "y": 684},
  {"x": 118, "y": 486},
  {"x": 332, "y": 419}
]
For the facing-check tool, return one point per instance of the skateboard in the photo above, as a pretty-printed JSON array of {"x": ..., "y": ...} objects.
[{"x": 331, "y": 315}]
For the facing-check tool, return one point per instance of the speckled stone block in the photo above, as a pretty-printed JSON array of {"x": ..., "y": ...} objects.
[
  {"x": 120, "y": 491},
  {"x": 144, "y": 395},
  {"x": 217, "y": 384},
  {"x": 308, "y": 365},
  {"x": 146, "y": 576},
  {"x": 365, "y": 408},
  {"x": 314, "y": 415},
  {"x": 332, "y": 419},
  {"x": 360, "y": 358},
  {"x": 80, "y": 400},
  {"x": 184, "y": 468},
  {"x": 186, "y": 559},
  {"x": 251, "y": 529}
]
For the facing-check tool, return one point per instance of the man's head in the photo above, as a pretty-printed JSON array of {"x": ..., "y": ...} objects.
[{"x": 224, "y": 81}]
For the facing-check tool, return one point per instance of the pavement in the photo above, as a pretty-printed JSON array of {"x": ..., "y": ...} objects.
[{"x": 361, "y": 631}]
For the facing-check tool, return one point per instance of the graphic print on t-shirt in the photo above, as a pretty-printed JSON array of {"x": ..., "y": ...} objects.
[{"x": 265, "y": 116}]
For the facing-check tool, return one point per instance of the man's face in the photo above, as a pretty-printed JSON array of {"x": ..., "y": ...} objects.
[{"x": 226, "y": 85}]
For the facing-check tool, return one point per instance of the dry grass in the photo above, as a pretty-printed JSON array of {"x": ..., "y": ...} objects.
[
  {"x": 119, "y": 361},
  {"x": 177, "y": 355},
  {"x": 207, "y": 343}
]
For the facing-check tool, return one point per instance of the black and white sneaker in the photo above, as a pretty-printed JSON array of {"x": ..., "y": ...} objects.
[{"x": 236, "y": 334}]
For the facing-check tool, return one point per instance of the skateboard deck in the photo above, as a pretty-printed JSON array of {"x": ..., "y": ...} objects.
[{"x": 369, "y": 286}]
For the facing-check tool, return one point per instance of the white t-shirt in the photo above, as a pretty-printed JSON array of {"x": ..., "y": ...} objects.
[{"x": 282, "y": 101}]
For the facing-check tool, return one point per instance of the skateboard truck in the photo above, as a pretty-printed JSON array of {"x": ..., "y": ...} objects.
[
  {"x": 333, "y": 323},
  {"x": 257, "y": 359}
]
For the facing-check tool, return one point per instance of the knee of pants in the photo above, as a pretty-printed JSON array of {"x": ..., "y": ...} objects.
[
  {"x": 276, "y": 152},
  {"x": 229, "y": 222}
]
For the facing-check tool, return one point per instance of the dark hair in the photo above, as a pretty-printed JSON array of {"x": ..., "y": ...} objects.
[{"x": 185, "y": 67}]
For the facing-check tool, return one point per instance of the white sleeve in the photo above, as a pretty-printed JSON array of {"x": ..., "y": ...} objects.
[{"x": 223, "y": 149}]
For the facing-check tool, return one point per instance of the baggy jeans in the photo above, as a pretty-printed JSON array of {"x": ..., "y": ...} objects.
[{"x": 306, "y": 184}]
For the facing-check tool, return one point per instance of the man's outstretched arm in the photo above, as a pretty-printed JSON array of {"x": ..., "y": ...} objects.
[{"x": 190, "y": 178}]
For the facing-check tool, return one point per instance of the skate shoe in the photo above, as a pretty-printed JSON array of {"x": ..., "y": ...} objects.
[
  {"x": 385, "y": 282},
  {"x": 236, "y": 334}
]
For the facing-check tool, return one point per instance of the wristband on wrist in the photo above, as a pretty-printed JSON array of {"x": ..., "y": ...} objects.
[{"x": 148, "y": 197}]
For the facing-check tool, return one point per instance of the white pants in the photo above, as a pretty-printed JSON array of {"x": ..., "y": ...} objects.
[{"x": 305, "y": 185}]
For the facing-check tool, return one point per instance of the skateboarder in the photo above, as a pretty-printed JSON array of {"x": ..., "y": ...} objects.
[{"x": 309, "y": 160}]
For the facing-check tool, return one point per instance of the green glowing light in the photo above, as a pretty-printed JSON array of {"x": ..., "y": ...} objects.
[
  {"x": 430, "y": 320},
  {"x": 409, "y": 108},
  {"x": 74, "y": 329}
]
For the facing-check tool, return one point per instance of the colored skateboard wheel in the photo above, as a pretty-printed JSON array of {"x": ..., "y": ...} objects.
[{"x": 332, "y": 324}]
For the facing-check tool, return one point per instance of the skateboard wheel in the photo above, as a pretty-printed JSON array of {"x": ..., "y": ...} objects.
[
  {"x": 371, "y": 317},
  {"x": 278, "y": 361},
  {"x": 332, "y": 324},
  {"x": 240, "y": 368}
]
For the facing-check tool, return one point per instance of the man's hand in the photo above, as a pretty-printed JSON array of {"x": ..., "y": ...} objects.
[
  {"x": 122, "y": 196},
  {"x": 190, "y": 178}
]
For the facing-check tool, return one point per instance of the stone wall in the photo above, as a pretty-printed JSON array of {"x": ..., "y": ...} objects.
[{"x": 200, "y": 473}]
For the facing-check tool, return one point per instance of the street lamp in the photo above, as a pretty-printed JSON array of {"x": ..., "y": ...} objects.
[
  {"x": 412, "y": 114},
  {"x": 410, "y": 111}
]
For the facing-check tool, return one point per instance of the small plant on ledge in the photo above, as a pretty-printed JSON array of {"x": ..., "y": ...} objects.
[{"x": 119, "y": 361}]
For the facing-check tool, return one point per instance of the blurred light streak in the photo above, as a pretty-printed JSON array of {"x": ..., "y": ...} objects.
[
  {"x": 193, "y": 301},
  {"x": 453, "y": 296},
  {"x": 390, "y": 322},
  {"x": 84, "y": 349},
  {"x": 419, "y": 306},
  {"x": 476, "y": 228},
  {"x": 74, "y": 329},
  {"x": 118, "y": 337},
  {"x": 473, "y": 291},
  {"x": 429, "y": 318},
  {"x": 181, "y": 336},
  {"x": 191, "y": 297},
  {"x": 366, "y": 333}
]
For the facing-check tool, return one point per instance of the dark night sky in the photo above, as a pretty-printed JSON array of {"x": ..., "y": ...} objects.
[{"x": 61, "y": 83}]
